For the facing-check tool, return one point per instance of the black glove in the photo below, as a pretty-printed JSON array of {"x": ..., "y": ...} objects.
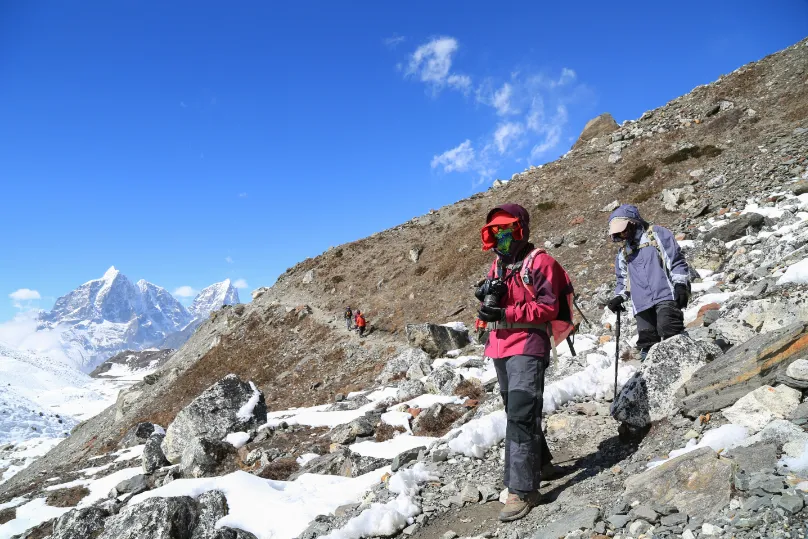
[
  {"x": 491, "y": 314},
  {"x": 480, "y": 292},
  {"x": 616, "y": 304},
  {"x": 680, "y": 295}
]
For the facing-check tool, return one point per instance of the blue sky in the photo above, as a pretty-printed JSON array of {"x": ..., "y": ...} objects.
[{"x": 188, "y": 142}]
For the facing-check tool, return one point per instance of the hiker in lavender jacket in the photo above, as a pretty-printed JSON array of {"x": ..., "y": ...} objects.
[{"x": 652, "y": 273}]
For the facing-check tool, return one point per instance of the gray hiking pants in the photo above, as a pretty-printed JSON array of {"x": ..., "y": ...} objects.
[
  {"x": 660, "y": 322},
  {"x": 521, "y": 384}
]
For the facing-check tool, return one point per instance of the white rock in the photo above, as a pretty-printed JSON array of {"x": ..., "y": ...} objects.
[
  {"x": 503, "y": 496},
  {"x": 308, "y": 277},
  {"x": 687, "y": 534},
  {"x": 798, "y": 370},
  {"x": 710, "y": 529},
  {"x": 614, "y": 158},
  {"x": 610, "y": 207},
  {"x": 757, "y": 409}
]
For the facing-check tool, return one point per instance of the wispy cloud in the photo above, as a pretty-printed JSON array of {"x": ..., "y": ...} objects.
[
  {"x": 185, "y": 292},
  {"x": 228, "y": 259},
  {"x": 22, "y": 297},
  {"x": 183, "y": 105},
  {"x": 431, "y": 63},
  {"x": 394, "y": 41},
  {"x": 508, "y": 135},
  {"x": 242, "y": 195},
  {"x": 457, "y": 159},
  {"x": 241, "y": 283}
]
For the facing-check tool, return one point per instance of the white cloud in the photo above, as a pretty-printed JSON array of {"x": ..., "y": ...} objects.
[
  {"x": 507, "y": 135},
  {"x": 242, "y": 195},
  {"x": 458, "y": 159},
  {"x": 550, "y": 131},
  {"x": 502, "y": 100},
  {"x": 431, "y": 63},
  {"x": 24, "y": 294},
  {"x": 394, "y": 41},
  {"x": 241, "y": 283},
  {"x": 228, "y": 260},
  {"x": 185, "y": 292}
]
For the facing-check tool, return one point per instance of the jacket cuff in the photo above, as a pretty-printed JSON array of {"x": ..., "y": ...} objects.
[{"x": 680, "y": 279}]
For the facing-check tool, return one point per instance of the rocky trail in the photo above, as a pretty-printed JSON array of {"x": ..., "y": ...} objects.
[{"x": 270, "y": 423}]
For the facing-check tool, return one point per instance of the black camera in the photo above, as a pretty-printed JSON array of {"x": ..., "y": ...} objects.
[{"x": 491, "y": 292}]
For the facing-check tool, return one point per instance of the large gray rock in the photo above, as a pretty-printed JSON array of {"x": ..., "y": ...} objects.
[
  {"x": 206, "y": 458},
  {"x": 755, "y": 457},
  {"x": 711, "y": 255},
  {"x": 597, "y": 127},
  {"x": 155, "y": 518},
  {"x": 696, "y": 483},
  {"x": 736, "y": 228},
  {"x": 134, "y": 485},
  {"x": 435, "y": 340},
  {"x": 650, "y": 395},
  {"x": 583, "y": 519},
  {"x": 442, "y": 381},
  {"x": 409, "y": 390},
  {"x": 80, "y": 523},
  {"x": 400, "y": 364},
  {"x": 341, "y": 462},
  {"x": 212, "y": 506},
  {"x": 231, "y": 533},
  {"x": 218, "y": 411},
  {"x": 347, "y": 433},
  {"x": 743, "y": 368},
  {"x": 137, "y": 435},
  {"x": 760, "y": 407},
  {"x": 153, "y": 458}
]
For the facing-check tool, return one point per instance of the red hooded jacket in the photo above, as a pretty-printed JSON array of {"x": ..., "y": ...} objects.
[{"x": 551, "y": 285}]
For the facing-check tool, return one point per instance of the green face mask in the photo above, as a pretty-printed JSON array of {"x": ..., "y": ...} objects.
[{"x": 504, "y": 240}]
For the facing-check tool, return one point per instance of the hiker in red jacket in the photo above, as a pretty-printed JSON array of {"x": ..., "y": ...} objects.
[
  {"x": 519, "y": 316},
  {"x": 360, "y": 323}
]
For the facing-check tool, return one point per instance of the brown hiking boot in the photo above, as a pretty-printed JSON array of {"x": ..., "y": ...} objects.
[{"x": 517, "y": 507}]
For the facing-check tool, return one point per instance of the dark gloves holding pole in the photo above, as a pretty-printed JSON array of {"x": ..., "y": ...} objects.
[
  {"x": 681, "y": 295},
  {"x": 616, "y": 304}
]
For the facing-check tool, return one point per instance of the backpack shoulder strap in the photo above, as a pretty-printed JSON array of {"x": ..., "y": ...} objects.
[{"x": 527, "y": 265}]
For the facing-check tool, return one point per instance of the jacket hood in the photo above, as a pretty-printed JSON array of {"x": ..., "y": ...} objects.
[
  {"x": 524, "y": 222},
  {"x": 627, "y": 211}
]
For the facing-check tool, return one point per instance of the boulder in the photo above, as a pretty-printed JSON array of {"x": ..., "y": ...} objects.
[
  {"x": 401, "y": 363},
  {"x": 229, "y": 405},
  {"x": 155, "y": 518},
  {"x": 206, "y": 458},
  {"x": 583, "y": 519},
  {"x": 347, "y": 433},
  {"x": 755, "y": 457},
  {"x": 650, "y": 395},
  {"x": 672, "y": 199},
  {"x": 736, "y": 228},
  {"x": 420, "y": 368},
  {"x": 153, "y": 458},
  {"x": 80, "y": 523},
  {"x": 435, "y": 340},
  {"x": 760, "y": 407},
  {"x": 597, "y": 127},
  {"x": 409, "y": 390},
  {"x": 768, "y": 314},
  {"x": 798, "y": 370},
  {"x": 696, "y": 483},
  {"x": 443, "y": 381},
  {"x": 212, "y": 507},
  {"x": 711, "y": 255},
  {"x": 138, "y": 435},
  {"x": 404, "y": 457},
  {"x": 743, "y": 368},
  {"x": 231, "y": 533},
  {"x": 134, "y": 485}
]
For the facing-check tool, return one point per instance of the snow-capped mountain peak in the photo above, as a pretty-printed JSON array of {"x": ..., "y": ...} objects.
[{"x": 214, "y": 297}]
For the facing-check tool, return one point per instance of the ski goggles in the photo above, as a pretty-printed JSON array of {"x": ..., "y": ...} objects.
[{"x": 489, "y": 232}]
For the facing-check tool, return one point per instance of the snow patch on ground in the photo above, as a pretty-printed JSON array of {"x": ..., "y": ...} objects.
[
  {"x": 723, "y": 438},
  {"x": 796, "y": 273},
  {"x": 596, "y": 380},
  {"x": 273, "y": 509},
  {"x": 29, "y": 515},
  {"x": 389, "y": 449},
  {"x": 479, "y": 435},
  {"x": 237, "y": 439},
  {"x": 246, "y": 412}
]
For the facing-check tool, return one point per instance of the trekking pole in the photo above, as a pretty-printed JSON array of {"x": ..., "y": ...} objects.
[
  {"x": 617, "y": 353},
  {"x": 575, "y": 303}
]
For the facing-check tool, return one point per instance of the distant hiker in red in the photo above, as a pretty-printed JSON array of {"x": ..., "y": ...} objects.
[
  {"x": 525, "y": 299},
  {"x": 360, "y": 323}
]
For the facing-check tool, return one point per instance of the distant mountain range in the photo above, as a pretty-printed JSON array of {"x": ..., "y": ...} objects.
[{"x": 106, "y": 316}]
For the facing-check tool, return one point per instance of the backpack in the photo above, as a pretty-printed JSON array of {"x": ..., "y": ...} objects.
[{"x": 692, "y": 273}]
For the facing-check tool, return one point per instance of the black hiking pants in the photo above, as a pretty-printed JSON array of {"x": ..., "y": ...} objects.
[
  {"x": 660, "y": 322},
  {"x": 521, "y": 384}
]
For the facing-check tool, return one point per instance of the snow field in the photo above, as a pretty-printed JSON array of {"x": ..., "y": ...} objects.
[
  {"x": 392, "y": 447},
  {"x": 273, "y": 509},
  {"x": 29, "y": 515}
]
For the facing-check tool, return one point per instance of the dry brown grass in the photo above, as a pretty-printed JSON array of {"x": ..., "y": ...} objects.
[
  {"x": 470, "y": 389},
  {"x": 279, "y": 470},
  {"x": 67, "y": 497},
  {"x": 386, "y": 432},
  {"x": 8, "y": 514},
  {"x": 692, "y": 152},
  {"x": 430, "y": 425},
  {"x": 640, "y": 173}
]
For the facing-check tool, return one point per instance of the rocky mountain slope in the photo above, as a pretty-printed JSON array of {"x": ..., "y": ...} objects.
[
  {"x": 724, "y": 166},
  {"x": 108, "y": 315}
]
